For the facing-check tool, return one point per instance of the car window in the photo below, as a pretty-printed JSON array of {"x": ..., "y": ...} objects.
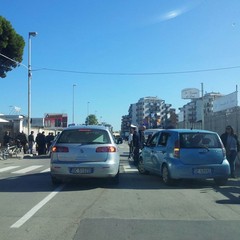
[
  {"x": 163, "y": 139},
  {"x": 84, "y": 136},
  {"x": 196, "y": 140},
  {"x": 154, "y": 140}
]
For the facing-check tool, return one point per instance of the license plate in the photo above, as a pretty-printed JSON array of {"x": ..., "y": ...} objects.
[
  {"x": 202, "y": 171},
  {"x": 79, "y": 170}
]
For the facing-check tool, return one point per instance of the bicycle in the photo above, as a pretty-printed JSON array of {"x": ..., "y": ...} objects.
[
  {"x": 10, "y": 151},
  {"x": 3, "y": 154}
]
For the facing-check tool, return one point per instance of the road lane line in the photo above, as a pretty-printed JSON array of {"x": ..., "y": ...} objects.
[
  {"x": 37, "y": 207},
  {"x": 27, "y": 169},
  {"x": 46, "y": 170},
  {"x": 8, "y": 168},
  {"x": 128, "y": 169}
]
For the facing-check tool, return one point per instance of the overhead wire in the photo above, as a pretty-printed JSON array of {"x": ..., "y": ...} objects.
[
  {"x": 138, "y": 74},
  {"x": 125, "y": 73}
]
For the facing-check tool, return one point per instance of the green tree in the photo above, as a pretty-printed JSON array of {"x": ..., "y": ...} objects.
[
  {"x": 11, "y": 45},
  {"x": 91, "y": 120}
]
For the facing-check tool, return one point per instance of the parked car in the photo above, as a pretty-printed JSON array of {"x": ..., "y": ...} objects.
[
  {"x": 85, "y": 152},
  {"x": 185, "y": 154}
]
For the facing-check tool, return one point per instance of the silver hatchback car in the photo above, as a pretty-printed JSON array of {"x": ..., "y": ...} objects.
[{"x": 85, "y": 152}]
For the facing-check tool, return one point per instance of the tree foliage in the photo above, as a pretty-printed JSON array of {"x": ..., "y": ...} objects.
[
  {"x": 91, "y": 120},
  {"x": 11, "y": 45}
]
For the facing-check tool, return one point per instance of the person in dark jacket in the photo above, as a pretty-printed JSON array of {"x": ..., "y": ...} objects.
[
  {"x": 23, "y": 140},
  {"x": 231, "y": 144},
  {"x": 31, "y": 142},
  {"x": 136, "y": 145},
  {"x": 41, "y": 143},
  {"x": 141, "y": 136},
  {"x": 6, "y": 139}
]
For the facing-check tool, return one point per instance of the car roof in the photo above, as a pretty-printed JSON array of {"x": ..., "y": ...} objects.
[
  {"x": 100, "y": 127},
  {"x": 185, "y": 130}
]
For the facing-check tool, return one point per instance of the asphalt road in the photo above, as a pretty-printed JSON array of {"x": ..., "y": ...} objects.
[{"x": 140, "y": 207}]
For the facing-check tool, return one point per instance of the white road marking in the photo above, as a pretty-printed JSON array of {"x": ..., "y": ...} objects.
[
  {"x": 128, "y": 169},
  {"x": 46, "y": 170},
  {"x": 27, "y": 169},
  {"x": 5, "y": 169},
  {"x": 37, "y": 207}
]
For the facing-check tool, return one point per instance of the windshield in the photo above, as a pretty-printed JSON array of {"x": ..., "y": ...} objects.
[{"x": 84, "y": 136}]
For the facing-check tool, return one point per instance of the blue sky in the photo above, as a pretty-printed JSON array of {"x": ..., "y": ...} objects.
[{"x": 144, "y": 45}]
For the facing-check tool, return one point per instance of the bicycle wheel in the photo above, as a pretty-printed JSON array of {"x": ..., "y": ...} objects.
[{"x": 4, "y": 154}]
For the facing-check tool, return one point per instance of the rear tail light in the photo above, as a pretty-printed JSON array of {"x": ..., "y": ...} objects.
[
  {"x": 176, "y": 150},
  {"x": 59, "y": 149},
  {"x": 106, "y": 149}
]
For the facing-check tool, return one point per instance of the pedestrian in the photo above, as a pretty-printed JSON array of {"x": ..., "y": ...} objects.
[
  {"x": 231, "y": 144},
  {"x": 31, "y": 142},
  {"x": 23, "y": 140},
  {"x": 141, "y": 136},
  {"x": 49, "y": 139},
  {"x": 136, "y": 146},
  {"x": 41, "y": 143},
  {"x": 6, "y": 139},
  {"x": 130, "y": 143}
]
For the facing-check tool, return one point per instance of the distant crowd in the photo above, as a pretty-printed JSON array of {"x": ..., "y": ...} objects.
[{"x": 42, "y": 142}]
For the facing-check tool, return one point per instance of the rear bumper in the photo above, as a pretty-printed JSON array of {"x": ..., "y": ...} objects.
[
  {"x": 98, "y": 169},
  {"x": 179, "y": 170}
]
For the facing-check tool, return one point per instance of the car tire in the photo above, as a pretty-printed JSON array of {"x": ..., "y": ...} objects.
[
  {"x": 115, "y": 179},
  {"x": 56, "y": 181},
  {"x": 221, "y": 181},
  {"x": 141, "y": 168},
  {"x": 166, "y": 177}
]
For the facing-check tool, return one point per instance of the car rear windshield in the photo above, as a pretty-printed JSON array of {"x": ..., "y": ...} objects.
[
  {"x": 84, "y": 136},
  {"x": 198, "y": 140}
]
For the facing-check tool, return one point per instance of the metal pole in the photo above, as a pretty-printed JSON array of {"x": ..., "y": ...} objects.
[
  {"x": 29, "y": 84},
  {"x": 203, "y": 117},
  {"x": 88, "y": 113},
  {"x": 29, "y": 79},
  {"x": 74, "y": 85}
]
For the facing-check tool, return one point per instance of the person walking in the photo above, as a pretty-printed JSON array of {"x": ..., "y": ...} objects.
[
  {"x": 31, "y": 142},
  {"x": 6, "y": 139},
  {"x": 41, "y": 143},
  {"x": 23, "y": 140},
  {"x": 141, "y": 136},
  {"x": 130, "y": 143},
  {"x": 136, "y": 146},
  {"x": 231, "y": 144}
]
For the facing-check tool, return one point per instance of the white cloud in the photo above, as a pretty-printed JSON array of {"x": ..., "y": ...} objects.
[{"x": 169, "y": 15}]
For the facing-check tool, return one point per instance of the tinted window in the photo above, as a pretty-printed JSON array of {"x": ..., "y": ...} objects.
[
  {"x": 84, "y": 136},
  {"x": 163, "y": 139},
  {"x": 196, "y": 140}
]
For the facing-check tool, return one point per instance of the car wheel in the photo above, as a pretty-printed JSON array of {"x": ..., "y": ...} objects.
[
  {"x": 166, "y": 175},
  {"x": 141, "y": 168},
  {"x": 116, "y": 178},
  {"x": 55, "y": 180},
  {"x": 221, "y": 181}
]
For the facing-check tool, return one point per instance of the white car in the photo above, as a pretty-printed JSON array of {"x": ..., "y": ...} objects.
[{"x": 85, "y": 152}]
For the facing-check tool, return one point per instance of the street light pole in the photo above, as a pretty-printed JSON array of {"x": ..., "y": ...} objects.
[
  {"x": 74, "y": 85},
  {"x": 88, "y": 113},
  {"x": 30, "y": 34}
]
